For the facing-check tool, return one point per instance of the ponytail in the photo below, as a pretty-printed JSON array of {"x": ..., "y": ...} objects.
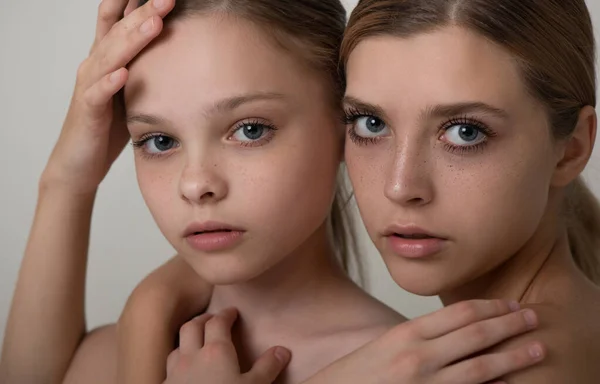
[{"x": 583, "y": 228}]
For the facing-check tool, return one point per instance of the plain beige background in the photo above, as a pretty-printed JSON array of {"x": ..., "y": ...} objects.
[{"x": 41, "y": 45}]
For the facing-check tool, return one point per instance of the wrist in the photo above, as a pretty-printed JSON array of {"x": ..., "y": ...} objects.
[{"x": 52, "y": 186}]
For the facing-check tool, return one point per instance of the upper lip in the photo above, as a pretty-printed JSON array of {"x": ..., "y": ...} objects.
[
  {"x": 209, "y": 226},
  {"x": 409, "y": 230}
]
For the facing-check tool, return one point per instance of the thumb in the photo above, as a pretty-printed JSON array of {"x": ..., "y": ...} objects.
[{"x": 269, "y": 365}]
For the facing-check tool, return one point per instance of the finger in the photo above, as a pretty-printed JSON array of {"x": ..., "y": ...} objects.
[
  {"x": 482, "y": 335},
  {"x": 98, "y": 97},
  {"x": 269, "y": 365},
  {"x": 492, "y": 366},
  {"x": 460, "y": 315},
  {"x": 191, "y": 334},
  {"x": 129, "y": 36},
  {"x": 133, "y": 4},
  {"x": 109, "y": 13},
  {"x": 218, "y": 329},
  {"x": 172, "y": 361}
]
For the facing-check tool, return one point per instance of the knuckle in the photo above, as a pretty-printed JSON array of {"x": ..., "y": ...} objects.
[
  {"x": 412, "y": 332},
  {"x": 499, "y": 306},
  {"x": 468, "y": 310},
  {"x": 516, "y": 323},
  {"x": 106, "y": 11},
  {"x": 215, "y": 351},
  {"x": 480, "y": 333},
  {"x": 409, "y": 330},
  {"x": 183, "y": 363},
  {"x": 188, "y": 328},
  {"x": 477, "y": 370},
  {"x": 87, "y": 99},
  {"x": 411, "y": 363},
  {"x": 517, "y": 358},
  {"x": 215, "y": 322},
  {"x": 83, "y": 69}
]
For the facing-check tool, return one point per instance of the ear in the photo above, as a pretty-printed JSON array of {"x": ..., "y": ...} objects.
[{"x": 577, "y": 149}]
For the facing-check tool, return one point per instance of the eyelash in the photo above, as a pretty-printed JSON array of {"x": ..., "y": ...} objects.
[
  {"x": 350, "y": 116},
  {"x": 465, "y": 149},
  {"x": 139, "y": 145},
  {"x": 263, "y": 140}
]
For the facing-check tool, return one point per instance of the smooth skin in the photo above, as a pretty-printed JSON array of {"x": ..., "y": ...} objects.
[
  {"x": 46, "y": 338},
  {"x": 496, "y": 196}
]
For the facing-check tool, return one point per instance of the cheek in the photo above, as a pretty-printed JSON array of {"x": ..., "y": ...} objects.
[
  {"x": 501, "y": 202},
  {"x": 367, "y": 171},
  {"x": 286, "y": 191},
  {"x": 156, "y": 182}
]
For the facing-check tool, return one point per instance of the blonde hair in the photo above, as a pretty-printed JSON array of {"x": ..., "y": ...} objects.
[
  {"x": 313, "y": 31},
  {"x": 552, "y": 40}
]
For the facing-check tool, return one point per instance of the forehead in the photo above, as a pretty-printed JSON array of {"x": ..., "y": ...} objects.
[
  {"x": 211, "y": 57},
  {"x": 447, "y": 65}
]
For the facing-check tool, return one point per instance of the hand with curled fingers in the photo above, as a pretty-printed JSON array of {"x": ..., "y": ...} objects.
[
  {"x": 206, "y": 354},
  {"x": 94, "y": 132},
  {"x": 445, "y": 347}
]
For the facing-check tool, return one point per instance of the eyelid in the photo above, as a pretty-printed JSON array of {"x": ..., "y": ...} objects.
[
  {"x": 251, "y": 121},
  {"x": 351, "y": 114},
  {"x": 466, "y": 120}
]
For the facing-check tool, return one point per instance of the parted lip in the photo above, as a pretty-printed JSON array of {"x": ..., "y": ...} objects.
[
  {"x": 410, "y": 231},
  {"x": 210, "y": 226}
]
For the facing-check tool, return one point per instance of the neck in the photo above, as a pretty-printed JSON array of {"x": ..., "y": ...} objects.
[
  {"x": 541, "y": 271},
  {"x": 286, "y": 293}
]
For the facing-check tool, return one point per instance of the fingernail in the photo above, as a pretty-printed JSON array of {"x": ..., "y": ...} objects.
[
  {"x": 115, "y": 77},
  {"x": 159, "y": 4},
  {"x": 530, "y": 318},
  {"x": 536, "y": 352},
  {"x": 282, "y": 355},
  {"x": 147, "y": 26},
  {"x": 514, "y": 306}
]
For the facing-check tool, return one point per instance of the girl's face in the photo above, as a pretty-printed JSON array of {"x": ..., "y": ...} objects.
[
  {"x": 451, "y": 158},
  {"x": 237, "y": 146}
]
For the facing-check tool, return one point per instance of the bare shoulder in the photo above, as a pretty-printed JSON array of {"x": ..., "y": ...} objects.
[
  {"x": 572, "y": 338},
  {"x": 96, "y": 359}
]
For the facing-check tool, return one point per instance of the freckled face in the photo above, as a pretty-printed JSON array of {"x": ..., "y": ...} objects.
[
  {"x": 231, "y": 129},
  {"x": 444, "y": 137}
]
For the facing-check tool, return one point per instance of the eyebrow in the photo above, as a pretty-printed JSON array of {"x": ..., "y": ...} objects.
[
  {"x": 446, "y": 110},
  {"x": 364, "y": 107},
  {"x": 220, "y": 107}
]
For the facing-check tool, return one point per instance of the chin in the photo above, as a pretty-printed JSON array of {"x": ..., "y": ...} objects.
[
  {"x": 427, "y": 279},
  {"x": 421, "y": 288},
  {"x": 223, "y": 269}
]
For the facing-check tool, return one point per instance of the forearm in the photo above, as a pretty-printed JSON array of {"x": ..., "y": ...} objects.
[{"x": 47, "y": 320}]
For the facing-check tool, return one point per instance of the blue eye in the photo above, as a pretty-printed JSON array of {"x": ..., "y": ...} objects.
[
  {"x": 155, "y": 144},
  {"x": 250, "y": 132},
  {"x": 370, "y": 126},
  {"x": 159, "y": 144},
  {"x": 464, "y": 135}
]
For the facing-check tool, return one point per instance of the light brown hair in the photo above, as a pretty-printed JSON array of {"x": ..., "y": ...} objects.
[
  {"x": 312, "y": 31},
  {"x": 553, "y": 42}
]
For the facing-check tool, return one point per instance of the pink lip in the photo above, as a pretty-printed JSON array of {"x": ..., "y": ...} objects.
[
  {"x": 425, "y": 244},
  {"x": 212, "y": 236}
]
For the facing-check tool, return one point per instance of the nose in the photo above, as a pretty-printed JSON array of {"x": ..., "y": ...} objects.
[
  {"x": 202, "y": 182},
  {"x": 409, "y": 182}
]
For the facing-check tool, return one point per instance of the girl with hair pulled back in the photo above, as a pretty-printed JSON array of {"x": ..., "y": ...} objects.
[{"x": 469, "y": 124}]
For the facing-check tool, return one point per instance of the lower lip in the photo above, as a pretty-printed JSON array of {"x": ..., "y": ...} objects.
[
  {"x": 214, "y": 241},
  {"x": 415, "y": 248}
]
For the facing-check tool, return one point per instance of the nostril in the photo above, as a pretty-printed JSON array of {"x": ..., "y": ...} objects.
[{"x": 208, "y": 195}]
